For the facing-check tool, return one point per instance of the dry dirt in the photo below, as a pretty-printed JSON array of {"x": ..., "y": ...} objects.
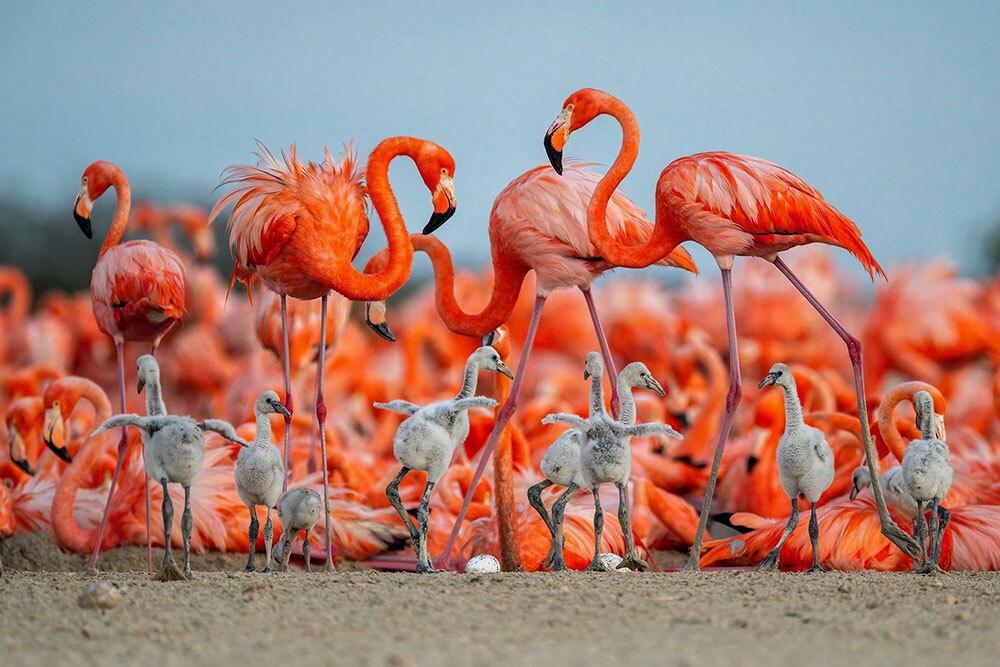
[{"x": 366, "y": 617}]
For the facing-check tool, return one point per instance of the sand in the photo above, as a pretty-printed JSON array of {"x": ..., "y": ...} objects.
[{"x": 377, "y": 618}]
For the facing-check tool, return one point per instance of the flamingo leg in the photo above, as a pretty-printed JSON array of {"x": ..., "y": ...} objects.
[
  {"x": 268, "y": 537},
  {"x": 555, "y": 560},
  {"x": 814, "y": 538},
  {"x": 535, "y": 500},
  {"x": 252, "y": 533},
  {"x": 286, "y": 368},
  {"x": 893, "y": 532},
  {"x": 770, "y": 562},
  {"x": 944, "y": 516},
  {"x": 595, "y": 565},
  {"x": 503, "y": 416},
  {"x": 609, "y": 362},
  {"x": 321, "y": 418},
  {"x": 631, "y": 560},
  {"x": 732, "y": 402},
  {"x": 423, "y": 520},
  {"x": 122, "y": 445}
]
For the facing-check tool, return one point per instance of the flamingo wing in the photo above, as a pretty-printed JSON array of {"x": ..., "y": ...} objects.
[
  {"x": 768, "y": 204},
  {"x": 142, "y": 276}
]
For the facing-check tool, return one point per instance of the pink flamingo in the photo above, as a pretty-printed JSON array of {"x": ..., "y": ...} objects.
[
  {"x": 731, "y": 205},
  {"x": 298, "y": 226},
  {"x": 537, "y": 223},
  {"x": 137, "y": 292}
]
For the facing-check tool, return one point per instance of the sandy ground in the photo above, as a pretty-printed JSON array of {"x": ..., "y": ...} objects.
[{"x": 365, "y": 617}]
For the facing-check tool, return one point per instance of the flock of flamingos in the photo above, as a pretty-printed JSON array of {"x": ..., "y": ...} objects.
[{"x": 881, "y": 421}]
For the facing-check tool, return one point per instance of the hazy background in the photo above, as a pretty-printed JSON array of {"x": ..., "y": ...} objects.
[{"x": 890, "y": 109}]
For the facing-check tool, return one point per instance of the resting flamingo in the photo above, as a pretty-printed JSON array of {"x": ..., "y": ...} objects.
[
  {"x": 731, "y": 205},
  {"x": 137, "y": 292},
  {"x": 537, "y": 223},
  {"x": 298, "y": 226}
]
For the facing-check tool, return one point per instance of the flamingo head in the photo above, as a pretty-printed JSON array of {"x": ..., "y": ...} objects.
[
  {"x": 269, "y": 403},
  {"x": 17, "y": 450},
  {"x": 59, "y": 401},
  {"x": 437, "y": 168},
  {"x": 147, "y": 370},
  {"x": 96, "y": 179},
  {"x": 594, "y": 366},
  {"x": 861, "y": 479},
  {"x": 637, "y": 374},
  {"x": 488, "y": 359},
  {"x": 579, "y": 109},
  {"x": 375, "y": 319}
]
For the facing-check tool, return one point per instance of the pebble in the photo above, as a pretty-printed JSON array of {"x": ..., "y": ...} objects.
[
  {"x": 99, "y": 595},
  {"x": 482, "y": 564}
]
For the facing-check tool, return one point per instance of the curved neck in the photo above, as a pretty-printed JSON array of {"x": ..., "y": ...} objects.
[
  {"x": 120, "y": 219},
  {"x": 793, "y": 407},
  {"x": 705, "y": 424},
  {"x": 627, "y": 414},
  {"x": 14, "y": 284},
  {"x": 597, "y": 398},
  {"x": 68, "y": 532},
  {"x": 470, "y": 380},
  {"x": 508, "y": 275},
  {"x": 664, "y": 237},
  {"x": 886, "y": 421},
  {"x": 154, "y": 398},
  {"x": 263, "y": 437}
]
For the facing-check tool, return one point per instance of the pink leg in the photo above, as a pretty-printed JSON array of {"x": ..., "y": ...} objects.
[
  {"x": 288, "y": 388},
  {"x": 503, "y": 416},
  {"x": 609, "y": 363},
  {"x": 732, "y": 402},
  {"x": 889, "y": 528},
  {"x": 122, "y": 444},
  {"x": 321, "y": 418}
]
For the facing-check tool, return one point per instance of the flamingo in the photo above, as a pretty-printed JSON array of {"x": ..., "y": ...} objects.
[
  {"x": 137, "y": 293},
  {"x": 298, "y": 227},
  {"x": 537, "y": 223},
  {"x": 731, "y": 205}
]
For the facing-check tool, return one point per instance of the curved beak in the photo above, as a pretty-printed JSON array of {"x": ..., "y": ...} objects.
[
  {"x": 489, "y": 338},
  {"x": 586, "y": 374},
  {"x": 555, "y": 139},
  {"x": 444, "y": 205},
  {"x": 375, "y": 319},
  {"x": 502, "y": 368},
  {"x": 768, "y": 380},
  {"x": 22, "y": 463},
  {"x": 140, "y": 385},
  {"x": 53, "y": 434},
  {"x": 81, "y": 212},
  {"x": 280, "y": 407},
  {"x": 655, "y": 386},
  {"x": 939, "y": 427},
  {"x": 854, "y": 491}
]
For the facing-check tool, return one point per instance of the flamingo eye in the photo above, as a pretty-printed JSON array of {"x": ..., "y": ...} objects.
[
  {"x": 444, "y": 172},
  {"x": 570, "y": 106}
]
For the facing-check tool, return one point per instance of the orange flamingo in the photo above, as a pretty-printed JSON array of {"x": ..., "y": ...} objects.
[
  {"x": 298, "y": 227},
  {"x": 537, "y": 223},
  {"x": 137, "y": 290},
  {"x": 731, "y": 205}
]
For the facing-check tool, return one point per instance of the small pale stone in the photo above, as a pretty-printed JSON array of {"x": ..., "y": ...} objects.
[
  {"x": 99, "y": 595},
  {"x": 609, "y": 562},
  {"x": 482, "y": 564}
]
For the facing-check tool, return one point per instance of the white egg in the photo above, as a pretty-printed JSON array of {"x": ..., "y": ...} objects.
[
  {"x": 610, "y": 562},
  {"x": 482, "y": 564}
]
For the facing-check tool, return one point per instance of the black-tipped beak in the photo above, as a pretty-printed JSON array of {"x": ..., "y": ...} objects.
[
  {"x": 657, "y": 387},
  {"x": 489, "y": 338},
  {"x": 438, "y": 219},
  {"x": 586, "y": 374},
  {"x": 280, "y": 407},
  {"x": 139, "y": 386},
  {"x": 854, "y": 491},
  {"x": 84, "y": 223},
  {"x": 768, "y": 380},
  {"x": 382, "y": 329},
  {"x": 61, "y": 452},
  {"x": 24, "y": 465},
  {"x": 555, "y": 156},
  {"x": 502, "y": 368}
]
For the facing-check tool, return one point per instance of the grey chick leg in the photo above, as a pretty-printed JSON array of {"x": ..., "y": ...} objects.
[
  {"x": 555, "y": 560},
  {"x": 631, "y": 560},
  {"x": 535, "y": 500},
  {"x": 930, "y": 565},
  {"x": 168, "y": 570},
  {"x": 814, "y": 538},
  {"x": 944, "y": 516},
  {"x": 187, "y": 525},
  {"x": 306, "y": 548},
  {"x": 283, "y": 552},
  {"x": 252, "y": 534},
  {"x": 920, "y": 533},
  {"x": 423, "y": 518},
  {"x": 392, "y": 493},
  {"x": 770, "y": 561},
  {"x": 268, "y": 536},
  {"x": 598, "y": 530}
]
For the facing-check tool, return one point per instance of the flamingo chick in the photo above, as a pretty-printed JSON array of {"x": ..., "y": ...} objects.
[
  {"x": 172, "y": 450},
  {"x": 298, "y": 510},
  {"x": 927, "y": 475},
  {"x": 805, "y": 464},
  {"x": 260, "y": 474},
  {"x": 427, "y": 439}
]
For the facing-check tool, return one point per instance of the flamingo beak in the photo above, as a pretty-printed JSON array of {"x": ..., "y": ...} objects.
[
  {"x": 939, "y": 427},
  {"x": 375, "y": 319},
  {"x": 586, "y": 374},
  {"x": 652, "y": 383},
  {"x": 854, "y": 491},
  {"x": 81, "y": 212},
  {"x": 768, "y": 380},
  {"x": 502, "y": 368},
  {"x": 555, "y": 139},
  {"x": 280, "y": 407},
  {"x": 53, "y": 435},
  {"x": 22, "y": 463},
  {"x": 140, "y": 385},
  {"x": 444, "y": 204}
]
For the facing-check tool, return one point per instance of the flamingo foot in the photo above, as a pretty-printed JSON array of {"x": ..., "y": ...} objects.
[
  {"x": 769, "y": 564},
  {"x": 425, "y": 568},
  {"x": 170, "y": 572},
  {"x": 815, "y": 568},
  {"x": 930, "y": 568},
  {"x": 901, "y": 539},
  {"x": 634, "y": 563}
]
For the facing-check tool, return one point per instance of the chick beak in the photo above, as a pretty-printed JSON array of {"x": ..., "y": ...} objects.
[
  {"x": 502, "y": 368},
  {"x": 586, "y": 374},
  {"x": 854, "y": 491},
  {"x": 768, "y": 380},
  {"x": 280, "y": 407},
  {"x": 140, "y": 385},
  {"x": 655, "y": 386}
]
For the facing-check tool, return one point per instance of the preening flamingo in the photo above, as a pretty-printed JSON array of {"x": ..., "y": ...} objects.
[
  {"x": 537, "y": 223},
  {"x": 137, "y": 292},
  {"x": 731, "y": 205},
  {"x": 298, "y": 226}
]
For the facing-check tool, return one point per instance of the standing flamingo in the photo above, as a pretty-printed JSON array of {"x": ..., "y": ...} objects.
[
  {"x": 731, "y": 205},
  {"x": 298, "y": 226},
  {"x": 137, "y": 292},
  {"x": 537, "y": 223}
]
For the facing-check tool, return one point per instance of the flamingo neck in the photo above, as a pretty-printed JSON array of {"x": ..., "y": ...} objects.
[
  {"x": 123, "y": 193},
  {"x": 471, "y": 379},
  {"x": 263, "y": 437},
  {"x": 597, "y": 397},
  {"x": 664, "y": 237},
  {"x": 627, "y": 414},
  {"x": 793, "y": 407},
  {"x": 154, "y": 399}
]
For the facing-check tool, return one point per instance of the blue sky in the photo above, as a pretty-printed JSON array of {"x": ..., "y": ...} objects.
[{"x": 889, "y": 109}]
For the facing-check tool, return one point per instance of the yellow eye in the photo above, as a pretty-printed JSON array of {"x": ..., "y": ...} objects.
[
  {"x": 569, "y": 106},
  {"x": 444, "y": 171}
]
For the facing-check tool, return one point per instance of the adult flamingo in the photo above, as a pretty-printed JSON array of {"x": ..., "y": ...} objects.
[
  {"x": 537, "y": 223},
  {"x": 731, "y": 205},
  {"x": 299, "y": 225},
  {"x": 136, "y": 290}
]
